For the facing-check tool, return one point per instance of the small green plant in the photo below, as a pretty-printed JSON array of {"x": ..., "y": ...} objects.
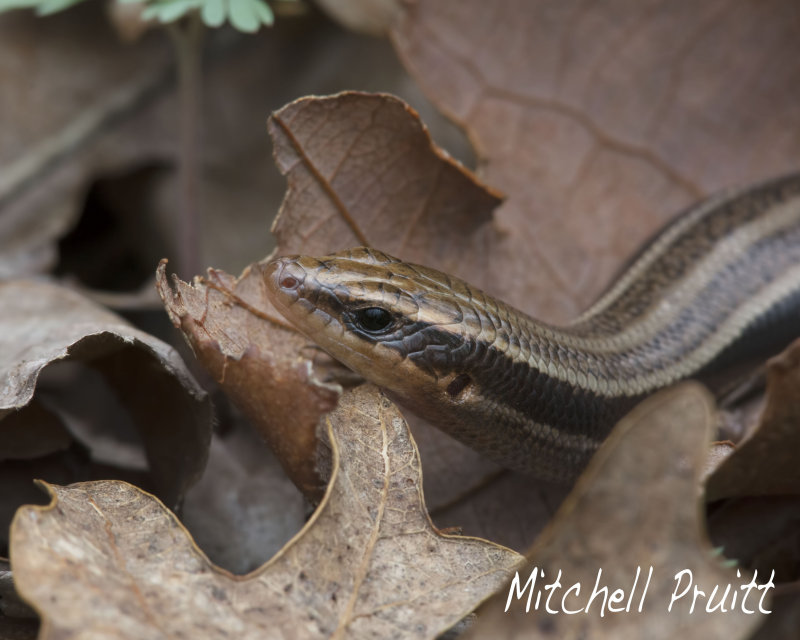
[{"x": 245, "y": 15}]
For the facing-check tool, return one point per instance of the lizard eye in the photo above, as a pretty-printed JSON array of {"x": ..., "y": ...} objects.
[{"x": 373, "y": 319}]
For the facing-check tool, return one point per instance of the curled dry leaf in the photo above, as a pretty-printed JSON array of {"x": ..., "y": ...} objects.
[
  {"x": 766, "y": 462},
  {"x": 363, "y": 170},
  {"x": 257, "y": 362},
  {"x": 42, "y": 324},
  {"x": 367, "y": 564},
  {"x": 635, "y": 507}
]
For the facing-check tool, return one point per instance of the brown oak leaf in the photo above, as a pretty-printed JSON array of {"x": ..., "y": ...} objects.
[
  {"x": 634, "y": 509},
  {"x": 238, "y": 337},
  {"x": 765, "y": 463},
  {"x": 601, "y": 121},
  {"x": 368, "y": 562}
]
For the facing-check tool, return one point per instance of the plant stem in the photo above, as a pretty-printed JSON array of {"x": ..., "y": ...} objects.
[{"x": 187, "y": 37}]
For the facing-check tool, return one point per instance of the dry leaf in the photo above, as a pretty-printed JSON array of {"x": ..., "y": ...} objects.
[
  {"x": 766, "y": 462},
  {"x": 256, "y": 362},
  {"x": 600, "y": 122},
  {"x": 635, "y": 507},
  {"x": 362, "y": 169},
  {"x": 368, "y": 563},
  {"x": 42, "y": 325}
]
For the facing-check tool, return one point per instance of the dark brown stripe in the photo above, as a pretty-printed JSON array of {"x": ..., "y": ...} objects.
[{"x": 687, "y": 250}]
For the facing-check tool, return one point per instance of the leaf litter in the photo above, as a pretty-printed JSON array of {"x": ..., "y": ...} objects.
[
  {"x": 368, "y": 563},
  {"x": 552, "y": 136},
  {"x": 46, "y": 329},
  {"x": 633, "y": 523}
]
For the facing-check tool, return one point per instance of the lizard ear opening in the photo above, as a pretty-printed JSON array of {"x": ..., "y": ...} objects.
[{"x": 457, "y": 385}]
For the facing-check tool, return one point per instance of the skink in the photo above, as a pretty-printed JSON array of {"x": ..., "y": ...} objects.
[{"x": 719, "y": 283}]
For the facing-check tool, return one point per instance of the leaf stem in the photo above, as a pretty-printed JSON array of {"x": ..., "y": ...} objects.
[{"x": 187, "y": 37}]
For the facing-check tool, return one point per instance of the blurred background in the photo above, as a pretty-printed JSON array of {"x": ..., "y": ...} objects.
[{"x": 90, "y": 141}]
